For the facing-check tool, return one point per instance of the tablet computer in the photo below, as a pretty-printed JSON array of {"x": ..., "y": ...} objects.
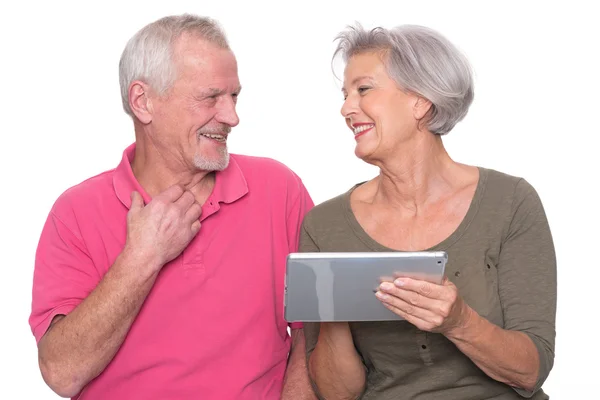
[{"x": 325, "y": 287}]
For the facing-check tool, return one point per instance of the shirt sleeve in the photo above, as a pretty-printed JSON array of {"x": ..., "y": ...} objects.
[
  {"x": 527, "y": 278},
  {"x": 64, "y": 275},
  {"x": 311, "y": 329},
  {"x": 301, "y": 206}
]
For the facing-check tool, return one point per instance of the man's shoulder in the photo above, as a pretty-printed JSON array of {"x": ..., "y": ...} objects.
[
  {"x": 80, "y": 195},
  {"x": 266, "y": 169},
  {"x": 263, "y": 164}
]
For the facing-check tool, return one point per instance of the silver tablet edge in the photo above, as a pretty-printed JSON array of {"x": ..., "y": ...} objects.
[{"x": 375, "y": 254}]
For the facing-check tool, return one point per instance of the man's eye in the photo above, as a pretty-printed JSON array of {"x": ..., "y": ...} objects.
[{"x": 363, "y": 89}]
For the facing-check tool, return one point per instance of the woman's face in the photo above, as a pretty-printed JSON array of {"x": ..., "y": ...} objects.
[{"x": 381, "y": 116}]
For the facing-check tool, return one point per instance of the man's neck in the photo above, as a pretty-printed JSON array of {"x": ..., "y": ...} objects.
[{"x": 155, "y": 174}]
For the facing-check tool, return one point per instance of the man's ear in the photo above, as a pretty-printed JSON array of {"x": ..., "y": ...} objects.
[{"x": 140, "y": 102}]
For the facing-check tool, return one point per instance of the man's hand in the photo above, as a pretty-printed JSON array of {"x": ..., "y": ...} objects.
[{"x": 161, "y": 230}]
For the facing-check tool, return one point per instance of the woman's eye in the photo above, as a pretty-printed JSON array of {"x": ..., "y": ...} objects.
[{"x": 363, "y": 89}]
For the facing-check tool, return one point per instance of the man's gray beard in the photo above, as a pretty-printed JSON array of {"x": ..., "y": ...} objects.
[
  {"x": 223, "y": 161},
  {"x": 212, "y": 165}
]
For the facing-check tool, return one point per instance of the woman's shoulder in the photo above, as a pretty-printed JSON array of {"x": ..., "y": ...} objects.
[
  {"x": 334, "y": 205},
  {"x": 329, "y": 212},
  {"x": 506, "y": 194},
  {"x": 505, "y": 184}
]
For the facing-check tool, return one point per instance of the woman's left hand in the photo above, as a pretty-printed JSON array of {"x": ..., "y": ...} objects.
[{"x": 428, "y": 306}]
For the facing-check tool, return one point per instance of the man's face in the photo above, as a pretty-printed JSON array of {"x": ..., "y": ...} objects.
[{"x": 191, "y": 122}]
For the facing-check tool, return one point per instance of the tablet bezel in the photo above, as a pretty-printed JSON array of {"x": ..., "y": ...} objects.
[{"x": 362, "y": 271}]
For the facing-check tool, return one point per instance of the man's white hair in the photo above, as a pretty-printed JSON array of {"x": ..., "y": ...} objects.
[{"x": 148, "y": 56}]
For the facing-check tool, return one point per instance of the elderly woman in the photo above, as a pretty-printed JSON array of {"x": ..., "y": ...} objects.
[{"x": 487, "y": 332}]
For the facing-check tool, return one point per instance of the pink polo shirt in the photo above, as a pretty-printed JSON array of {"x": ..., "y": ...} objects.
[{"x": 212, "y": 326}]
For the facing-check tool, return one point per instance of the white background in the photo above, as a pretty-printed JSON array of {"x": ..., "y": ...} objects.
[{"x": 535, "y": 115}]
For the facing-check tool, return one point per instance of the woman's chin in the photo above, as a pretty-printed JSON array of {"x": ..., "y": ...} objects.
[{"x": 364, "y": 154}]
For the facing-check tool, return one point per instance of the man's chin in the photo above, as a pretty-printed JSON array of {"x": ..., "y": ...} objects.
[{"x": 212, "y": 164}]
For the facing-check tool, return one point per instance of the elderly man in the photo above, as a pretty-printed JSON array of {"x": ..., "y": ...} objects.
[{"x": 163, "y": 278}]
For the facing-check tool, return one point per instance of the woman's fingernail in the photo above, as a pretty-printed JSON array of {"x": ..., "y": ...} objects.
[
  {"x": 399, "y": 282},
  {"x": 381, "y": 296},
  {"x": 386, "y": 286}
]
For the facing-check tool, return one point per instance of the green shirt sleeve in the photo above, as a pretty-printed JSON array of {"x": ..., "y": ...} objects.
[
  {"x": 527, "y": 277},
  {"x": 311, "y": 329}
]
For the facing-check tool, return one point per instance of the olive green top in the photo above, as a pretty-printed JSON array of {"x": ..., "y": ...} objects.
[{"x": 501, "y": 257}]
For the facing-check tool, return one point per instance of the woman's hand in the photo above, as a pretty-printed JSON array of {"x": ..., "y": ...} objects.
[{"x": 428, "y": 306}]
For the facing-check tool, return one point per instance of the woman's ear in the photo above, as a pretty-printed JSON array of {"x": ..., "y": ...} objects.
[{"x": 421, "y": 108}]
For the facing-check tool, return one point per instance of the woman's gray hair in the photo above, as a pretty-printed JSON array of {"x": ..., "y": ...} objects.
[
  {"x": 422, "y": 61},
  {"x": 148, "y": 56}
]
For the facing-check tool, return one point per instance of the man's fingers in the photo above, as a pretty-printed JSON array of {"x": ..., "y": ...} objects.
[
  {"x": 185, "y": 201},
  {"x": 195, "y": 227},
  {"x": 137, "y": 202},
  {"x": 171, "y": 194},
  {"x": 193, "y": 212}
]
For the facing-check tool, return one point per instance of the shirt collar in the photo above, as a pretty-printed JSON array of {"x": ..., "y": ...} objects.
[{"x": 230, "y": 184}]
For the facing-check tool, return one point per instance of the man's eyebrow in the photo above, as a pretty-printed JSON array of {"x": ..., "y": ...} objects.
[{"x": 209, "y": 92}]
